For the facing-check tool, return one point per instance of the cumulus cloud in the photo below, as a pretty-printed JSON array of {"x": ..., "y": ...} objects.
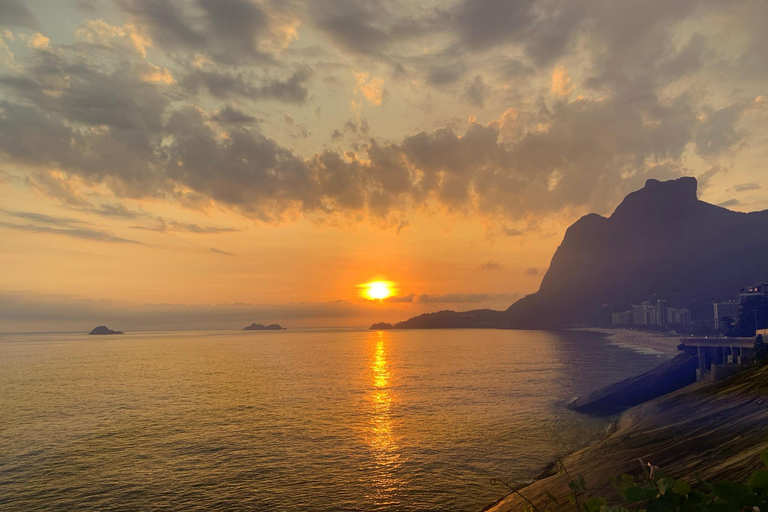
[
  {"x": 491, "y": 265},
  {"x": 371, "y": 88},
  {"x": 561, "y": 82},
  {"x": 143, "y": 130}
]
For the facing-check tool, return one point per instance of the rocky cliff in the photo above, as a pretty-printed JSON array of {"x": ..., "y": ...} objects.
[{"x": 661, "y": 242}]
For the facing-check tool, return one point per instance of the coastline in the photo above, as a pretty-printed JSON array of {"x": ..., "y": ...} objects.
[
  {"x": 706, "y": 430},
  {"x": 645, "y": 341}
]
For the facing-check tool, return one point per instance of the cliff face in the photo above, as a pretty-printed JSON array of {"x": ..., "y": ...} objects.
[{"x": 661, "y": 242}]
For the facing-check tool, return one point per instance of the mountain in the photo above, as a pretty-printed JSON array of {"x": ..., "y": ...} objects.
[
  {"x": 102, "y": 330},
  {"x": 661, "y": 242},
  {"x": 259, "y": 327}
]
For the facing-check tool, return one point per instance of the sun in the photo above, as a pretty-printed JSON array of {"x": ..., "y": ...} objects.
[{"x": 378, "y": 290}]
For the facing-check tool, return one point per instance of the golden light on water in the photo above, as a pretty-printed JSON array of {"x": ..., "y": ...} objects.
[
  {"x": 382, "y": 438},
  {"x": 378, "y": 290}
]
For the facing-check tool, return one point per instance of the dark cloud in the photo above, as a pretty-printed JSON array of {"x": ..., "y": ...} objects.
[
  {"x": 231, "y": 115},
  {"x": 227, "y": 30},
  {"x": 162, "y": 226},
  {"x": 218, "y": 251},
  {"x": 405, "y": 298},
  {"x": 491, "y": 265},
  {"x": 41, "y": 218},
  {"x": 80, "y": 233},
  {"x": 114, "y": 210},
  {"x": 730, "y": 202},
  {"x": 466, "y": 298},
  {"x": 444, "y": 74},
  {"x": 718, "y": 133},
  {"x": 476, "y": 92},
  {"x": 16, "y": 13},
  {"x": 743, "y": 187},
  {"x": 223, "y": 84},
  {"x": 485, "y": 23},
  {"x": 532, "y": 271}
]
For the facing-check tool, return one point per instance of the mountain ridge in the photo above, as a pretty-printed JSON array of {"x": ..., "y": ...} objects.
[{"x": 660, "y": 242}]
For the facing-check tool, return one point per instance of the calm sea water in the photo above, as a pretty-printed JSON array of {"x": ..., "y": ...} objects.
[{"x": 304, "y": 420}]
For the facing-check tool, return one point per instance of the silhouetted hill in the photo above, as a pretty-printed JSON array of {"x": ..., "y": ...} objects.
[
  {"x": 478, "y": 318},
  {"x": 660, "y": 243},
  {"x": 103, "y": 330},
  {"x": 259, "y": 327}
]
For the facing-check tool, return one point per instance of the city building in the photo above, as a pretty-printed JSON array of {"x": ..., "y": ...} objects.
[
  {"x": 638, "y": 317},
  {"x": 726, "y": 310},
  {"x": 661, "y": 312},
  {"x": 758, "y": 290},
  {"x": 679, "y": 316},
  {"x": 622, "y": 318}
]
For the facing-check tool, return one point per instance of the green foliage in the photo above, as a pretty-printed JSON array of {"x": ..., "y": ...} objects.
[{"x": 653, "y": 491}]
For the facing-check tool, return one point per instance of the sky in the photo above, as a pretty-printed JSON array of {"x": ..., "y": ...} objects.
[{"x": 190, "y": 164}]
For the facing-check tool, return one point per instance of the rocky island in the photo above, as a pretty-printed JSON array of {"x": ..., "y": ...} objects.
[
  {"x": 102, "y": 330},
  {"x": 260, "y": 327}
]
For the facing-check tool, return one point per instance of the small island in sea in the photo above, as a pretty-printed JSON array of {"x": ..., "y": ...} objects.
[
  {"x": 260, "y": 327},
  {"x": 381, "y": 326},
  {"x": 103, "y": 330}
]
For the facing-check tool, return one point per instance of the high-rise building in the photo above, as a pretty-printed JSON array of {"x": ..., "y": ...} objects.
[
  {"x": 622, "y": 318},
  {"x": 638, "y": 316},
  {"x": 685, "y": 317},
  {"x": 725, "y": 310},
  {"x": 662, "y": 318}
]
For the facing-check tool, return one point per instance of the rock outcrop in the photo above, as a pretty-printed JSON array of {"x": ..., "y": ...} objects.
[
  {"x": 259, "y": 327},
  {"x": 102, "y": 330}
]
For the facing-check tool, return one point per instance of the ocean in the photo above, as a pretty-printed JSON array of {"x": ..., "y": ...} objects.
[{"x": 298, "y": 420}]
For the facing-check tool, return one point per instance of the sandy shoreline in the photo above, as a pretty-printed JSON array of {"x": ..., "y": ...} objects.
[{"x": 640, "y": 340}]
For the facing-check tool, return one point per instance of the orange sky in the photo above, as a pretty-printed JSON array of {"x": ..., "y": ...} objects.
[{"x": 263, "y": 165}]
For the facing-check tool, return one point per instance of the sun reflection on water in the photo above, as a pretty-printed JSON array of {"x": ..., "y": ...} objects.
[{"x": 382, "y": 438}]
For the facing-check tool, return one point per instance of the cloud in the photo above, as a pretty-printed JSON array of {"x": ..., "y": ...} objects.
[
  {"x": 41, "y": 218},
  {"x": 730, "y": 202},
  {"x": 99, "y": 33},
  {"x": 372, "y": 89},
  {"x": 162, "y": 226},
  {"x": 16, "y": 13},
  {"x": 744, "y": 187},
  {"x": 531, "y": 271},
  {"x": 561, "y": 82},
  {"x": 80, "y": 233},
  {"x": 405, "y": 298},
  {"x": 222, "y": 84},
  {"x": 24, "y": 312},
  {"x": 476, "y": 92},
  {"x": 231, "y": 115},
  {"x": 467, "y": 298},
  {"x": 491, "y": 265},
  {"x": 218, "y": 251}
]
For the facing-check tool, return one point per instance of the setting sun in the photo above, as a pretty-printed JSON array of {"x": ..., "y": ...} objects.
[{"x": 378, "y": 290}]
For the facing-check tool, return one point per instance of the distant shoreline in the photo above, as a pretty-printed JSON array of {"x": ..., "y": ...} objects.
[{"x": 638, "y": 340}]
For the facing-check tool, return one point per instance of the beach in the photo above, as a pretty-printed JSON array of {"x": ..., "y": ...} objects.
[{"x": 649, "y": 342}]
